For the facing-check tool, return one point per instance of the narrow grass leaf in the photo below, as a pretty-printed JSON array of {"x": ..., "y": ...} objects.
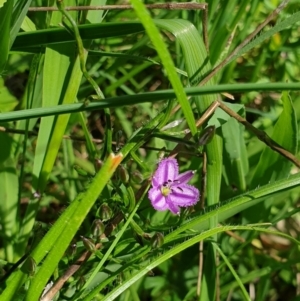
[
  {"x": 19, "y": 14},
  {"x": 8, "y": 197},
  {"x": 234, "y": 274},
  {"x": 5, "y": 25},
  {"x": 126, "y": 100},
  {"x": 60, "y": 126},
  {"x": 166, "y": 60},
  {"x": 71, "y": 226},
  {"x": 32, "y": 41}
]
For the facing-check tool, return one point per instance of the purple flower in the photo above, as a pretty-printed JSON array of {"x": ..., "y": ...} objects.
[{"x": 170, "y": 189}]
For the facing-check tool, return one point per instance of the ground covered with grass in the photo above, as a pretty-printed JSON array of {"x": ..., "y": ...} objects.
[{"x": 149, "y": 151}]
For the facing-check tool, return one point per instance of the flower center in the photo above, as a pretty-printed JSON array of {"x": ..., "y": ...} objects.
[{"x": 165, "y": 190}]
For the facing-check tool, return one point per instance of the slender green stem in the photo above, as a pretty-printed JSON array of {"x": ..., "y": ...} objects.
[
  {"x": 235, "y": 275},
  {"x": 111, "y": 248},
  {"x": 127, "y": 100},
  {"x": 81, "y": 52}
]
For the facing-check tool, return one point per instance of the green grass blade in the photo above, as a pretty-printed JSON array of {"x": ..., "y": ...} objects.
[
  {"x": 19, "y": 14},
  {"x": 233, "y": 206},
  {"x": 52, "y": 89},
  {"x": 59, "y": 127},
  {"x": 32, "y": 41},
  {"x": 127, "y": 100},
  {"x": 8, "y": 199},
  {"x": 144, "y": 97},
  {"x": 170, "y": 253},
  {"x": 233, "y": 272},
  {"x": 166, "y": 60},
  {"x": 236, "y": 154},
  {"x": 71, "y": 227},
  {"x": 271, "y": 165},
  {"x": 197, "y": 64},
  {"x": 5, "y": 23}
]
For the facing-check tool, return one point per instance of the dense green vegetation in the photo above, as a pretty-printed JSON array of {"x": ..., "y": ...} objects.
[{"x": 91, "y": 102}]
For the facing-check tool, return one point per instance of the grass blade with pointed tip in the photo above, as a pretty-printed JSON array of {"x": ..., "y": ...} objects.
[{"x": 167, "y": 62}]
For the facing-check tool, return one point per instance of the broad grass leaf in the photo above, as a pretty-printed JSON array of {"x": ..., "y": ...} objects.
[
  {"x": 95, "y": 16},
  {"x": 272, "y": 166},
  {"x": 235, "y": 154},
  {"x": 220, "y": 117},
  {"x": 28, "y": 25},
  {"x": 56, "y": 69}
]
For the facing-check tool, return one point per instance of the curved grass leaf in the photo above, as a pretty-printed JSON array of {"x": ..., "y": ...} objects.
[
  {"x": 233, "y": 206},
  {"x": 200, "y": 223},
  {"x": 170, "y": 253}
]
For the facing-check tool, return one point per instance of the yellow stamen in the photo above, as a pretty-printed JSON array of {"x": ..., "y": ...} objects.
[{"x": 165, "y": 190}]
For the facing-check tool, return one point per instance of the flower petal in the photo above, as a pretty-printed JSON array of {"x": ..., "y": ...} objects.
[
  {"x": 184, "y": 195},
  {"x": 167, "y": 171},
  {"x": 172, "y": 207},
  {"x": 184, "y": 177},
  {"x": 158, "y": 201}
]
